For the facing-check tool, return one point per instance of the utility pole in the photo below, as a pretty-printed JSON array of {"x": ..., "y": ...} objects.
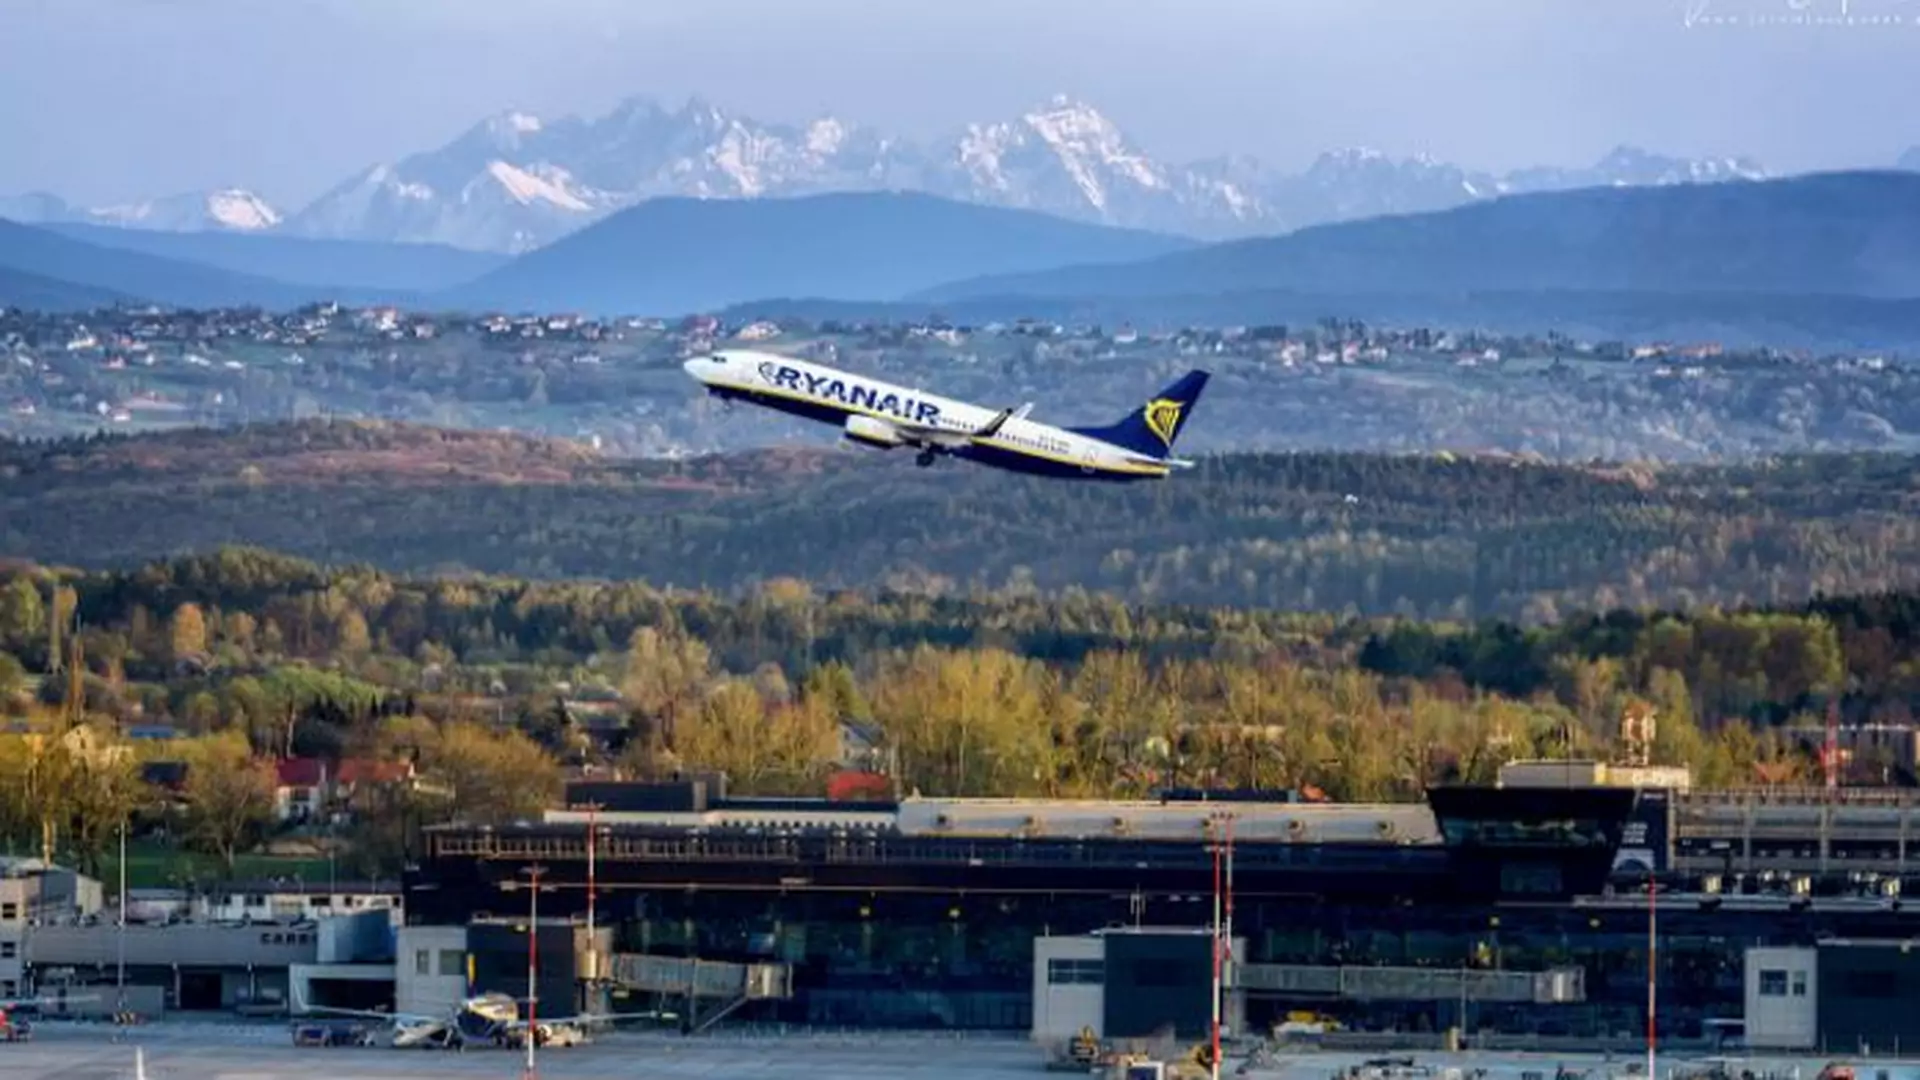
[
  {"x": 593, "y": 943},
  {"x": 533, "y": 965},
  {"x": 534, "y": 888},
  {"x": 1653, "y": 970},
  {"x": 1213, "y": 1063},
  {"x": 121, "y": 934}
]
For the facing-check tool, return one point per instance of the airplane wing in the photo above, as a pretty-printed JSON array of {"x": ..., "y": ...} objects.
[
  {"x": 585, "y": 1018},
  {"x": 926, "y": 436},
  {"x": 15, "y": 1003},
  {"x": 301, "y": 1005},
  {"x": 375, "y": 1014},
  {"x": 993, "y": 426}
]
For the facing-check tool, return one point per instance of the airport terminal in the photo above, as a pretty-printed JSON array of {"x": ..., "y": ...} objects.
[
  {"x": 1517, "y": 910},
  {"x": 1510, "y": 915}
]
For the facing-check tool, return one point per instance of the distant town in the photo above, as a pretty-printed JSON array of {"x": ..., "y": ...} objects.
[{"x": 615, "y": 383}]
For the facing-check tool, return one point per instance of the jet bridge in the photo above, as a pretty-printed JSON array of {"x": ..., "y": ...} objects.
[{"x": 712, "y": 989}]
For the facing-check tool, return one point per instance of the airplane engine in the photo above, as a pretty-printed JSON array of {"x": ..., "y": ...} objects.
[{"x": 872, "y": 432}]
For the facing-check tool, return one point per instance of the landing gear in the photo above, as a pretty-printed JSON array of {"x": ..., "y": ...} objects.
[{"x": 924, "y": 458}]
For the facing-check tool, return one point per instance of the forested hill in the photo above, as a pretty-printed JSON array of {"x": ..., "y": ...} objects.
[{"x": 1431, "y": 536}]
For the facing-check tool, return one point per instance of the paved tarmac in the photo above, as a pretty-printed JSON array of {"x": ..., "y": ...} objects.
[
  {"x": 214, "y": 1051},
  {"x": 222, "y": 1052}
]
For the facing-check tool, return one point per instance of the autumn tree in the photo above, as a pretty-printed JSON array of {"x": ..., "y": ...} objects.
[
  {"x": 488, "y": 777},
  {"x": 187, "y": 632},
  {"x": 764, "y": 747},
  {"x": 103, "y": 790},
  {"x": 229, "y": 794},
  {"x": 666, "y": 669}
]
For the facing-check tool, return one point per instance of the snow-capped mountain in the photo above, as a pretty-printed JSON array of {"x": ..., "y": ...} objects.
[
  {"x": 228, "y": 209},
  {"x": 1345, "y": 184},
  {"x": 1909, "y": 161},
  {"x": 1630, "y": 166},
  {"x": 514, "y": 182},
  {"x": 1068, "y": 159}
]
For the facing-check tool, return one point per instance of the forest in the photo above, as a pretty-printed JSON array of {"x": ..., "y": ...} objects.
[
  {"x": 1436, "y": 537},
  {"x": 490, "y": 686}
]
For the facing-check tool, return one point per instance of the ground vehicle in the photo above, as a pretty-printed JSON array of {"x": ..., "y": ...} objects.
[{"x": 332, "y": 1034}]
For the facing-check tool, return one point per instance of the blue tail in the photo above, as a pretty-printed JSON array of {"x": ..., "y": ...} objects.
[{"x": 1153, "y": 427}]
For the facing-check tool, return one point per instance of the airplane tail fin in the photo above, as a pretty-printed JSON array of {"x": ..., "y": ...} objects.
[{"x": 1153, "y": 427}]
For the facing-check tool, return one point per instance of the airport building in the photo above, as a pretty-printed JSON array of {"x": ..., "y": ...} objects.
[
  {"x": 246, "y": 948},
  {"x": 1521, "y": 909},
  {"x": 1839, "y": 995}
]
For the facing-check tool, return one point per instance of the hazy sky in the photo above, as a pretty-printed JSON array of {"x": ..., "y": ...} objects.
[{"x": 104, "y": 100}]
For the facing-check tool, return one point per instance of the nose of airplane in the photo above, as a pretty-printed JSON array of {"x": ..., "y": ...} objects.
[{"x": 698, "y": 367}]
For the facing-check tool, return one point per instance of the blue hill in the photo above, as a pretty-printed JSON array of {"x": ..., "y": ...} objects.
[
  {"x": 675, "y": 256},
  {"x": 1853, "y": 233}
]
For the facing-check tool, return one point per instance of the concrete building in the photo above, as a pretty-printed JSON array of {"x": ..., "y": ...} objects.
[
  {"x": 1131, "y": 983},
  {"x": 431, "y": 969},
  {"x": 1781, "y": 995},
  {"x": 202, "y": 966},
  {"x": 33, "y": 893},
  {"x": 353, "y": 966},
  {"x": 283, "y": 901},
  {"x": 1566, "y": 774},
  {"x": 1839, "y": 996},
  {"x": 198, "y": 965}
]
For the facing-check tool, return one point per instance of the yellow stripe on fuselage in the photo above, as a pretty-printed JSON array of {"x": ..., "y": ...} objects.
[{"x": 993, "y": 441}]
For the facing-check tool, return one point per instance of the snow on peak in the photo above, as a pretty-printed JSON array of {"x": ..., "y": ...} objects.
[
  {"x": 227, "y": 208},
  {"x": 547, "y": 184},
  {"x": 1066, "y": 118},
  {"x": 825, "y": 136},
  {"x": 522, "y": 122},
  {"x": 235, "y": 208},
  {"x": 1087, "y": 143}
]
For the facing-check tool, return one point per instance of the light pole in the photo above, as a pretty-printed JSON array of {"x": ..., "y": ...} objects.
[
  {"x": 593, "y": 843},
  {"x": 120, "y": 933},
  {"x": 534, "y": 889}
]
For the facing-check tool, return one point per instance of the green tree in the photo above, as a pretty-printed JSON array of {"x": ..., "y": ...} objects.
[
  {"x": 22, "y": 614},
  {"x": 229, "y": 795},
  {"x": 13, "y": 680},
  {"x": 59, "y": 619},
  {"x": 104, "y": 789}
]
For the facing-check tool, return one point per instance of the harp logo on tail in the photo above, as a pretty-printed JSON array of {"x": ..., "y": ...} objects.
[{"x": 1162, "y": 417}]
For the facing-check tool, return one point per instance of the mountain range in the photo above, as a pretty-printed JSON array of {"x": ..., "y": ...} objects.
[
  {"x": 229, "y": 209},
  {"x": 1823, "y": 258},
  {"x": 674, "y": 255},
  {"x": 514, "y": 181},
  {"x": 1853, "y": 234}
]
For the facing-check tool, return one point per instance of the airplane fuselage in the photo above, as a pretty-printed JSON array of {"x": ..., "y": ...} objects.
[{"x": 886, "y": 415}]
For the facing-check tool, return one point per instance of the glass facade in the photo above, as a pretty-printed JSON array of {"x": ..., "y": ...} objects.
[
  {"x": 882, "y": 928},
  {"x": 967, "y": 961}
]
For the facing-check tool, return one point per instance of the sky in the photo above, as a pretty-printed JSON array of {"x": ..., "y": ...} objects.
[{"x": 113, "y": 100}]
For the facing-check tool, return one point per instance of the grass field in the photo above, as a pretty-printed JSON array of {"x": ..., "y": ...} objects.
[{"x": 153, "y": 866}]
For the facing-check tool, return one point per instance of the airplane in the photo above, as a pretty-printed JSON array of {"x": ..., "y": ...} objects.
[
  {"x": 874, "y": 413},
  {"x": 491, "y": 1018},
  {"x": 17, "y": 1028}
]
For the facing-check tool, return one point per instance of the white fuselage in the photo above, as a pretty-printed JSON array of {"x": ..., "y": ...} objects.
[{"x": 882, "y": 413}]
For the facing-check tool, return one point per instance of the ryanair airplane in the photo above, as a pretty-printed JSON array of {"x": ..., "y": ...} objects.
[{"x": 874, "y": 413}]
